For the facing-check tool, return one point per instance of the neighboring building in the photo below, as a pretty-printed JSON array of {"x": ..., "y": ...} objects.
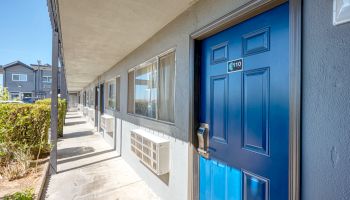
[
  {"x": 24, "y": 80},
  {"x": 43, "y": 80},
  {"x": 263, "y": 83},
  {"x": 19, "y": 79},
  {"x": 1, "y": 77}
]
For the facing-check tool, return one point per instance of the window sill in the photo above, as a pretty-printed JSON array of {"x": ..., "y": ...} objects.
[{"x": 151, "y": 119}]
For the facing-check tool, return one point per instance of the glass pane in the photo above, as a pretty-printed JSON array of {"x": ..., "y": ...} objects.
[
  {"x": 166, "y": 87},
  {"x": 92, "y": 97},
  {"x": 131, "y": 91},
  {"x": 15, "y": 77},
  {"x": 118, "y": 94},
  {"x": 146, "y": 90},
  {"x": 111, "y": 95}
]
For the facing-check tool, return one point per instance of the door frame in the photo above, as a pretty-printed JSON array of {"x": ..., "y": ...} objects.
[
  {"x": 96, "y": 97},
  {"x": 249, "y": 10}
]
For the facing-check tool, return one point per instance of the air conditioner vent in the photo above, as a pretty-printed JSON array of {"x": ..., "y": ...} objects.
[
  {"x": 107, "y": 123},
  {"x": 151, "y": 150}
]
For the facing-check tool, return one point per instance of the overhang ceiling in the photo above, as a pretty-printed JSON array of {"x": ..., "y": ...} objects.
[{"x": 98, "y": 34}]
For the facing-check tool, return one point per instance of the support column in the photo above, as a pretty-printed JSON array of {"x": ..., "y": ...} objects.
[
  {"x": 54, "y": 104},
  {"x": 63, "y": 83}
]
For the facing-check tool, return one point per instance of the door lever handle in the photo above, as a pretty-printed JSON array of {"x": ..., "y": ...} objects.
[{"x": 203, "y": 140}]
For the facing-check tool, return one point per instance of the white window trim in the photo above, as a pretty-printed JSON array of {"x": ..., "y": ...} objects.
[
  {"x": 142, "y": 65},
  {"x": 107, "y": 93},
  {"x": 19, "y": 76},
  {"x": 47, "y": 79}
]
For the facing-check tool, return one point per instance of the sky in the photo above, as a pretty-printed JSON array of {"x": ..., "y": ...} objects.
[{"x": 25, "y": 31}]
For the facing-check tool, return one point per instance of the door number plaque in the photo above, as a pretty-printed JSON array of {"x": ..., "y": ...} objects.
[{"x": 235, "y": 65}]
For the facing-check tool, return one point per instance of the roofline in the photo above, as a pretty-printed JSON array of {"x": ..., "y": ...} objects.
[{"x": 17, "y": 63}]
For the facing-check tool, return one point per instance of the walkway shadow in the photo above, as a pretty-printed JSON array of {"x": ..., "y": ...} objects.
[
  {"x": 84, "y": 156},
  {"x": 92, "y": 163},
  {"x": 73, "y": 117},
  {"x": 74, "y": 123},
  {"x": 73, "y": 151},
  {"x": 77, "y": 134}
]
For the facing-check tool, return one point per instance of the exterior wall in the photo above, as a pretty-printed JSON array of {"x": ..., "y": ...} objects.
[
  {"x": 43, "y": 87},
  {"x": 1, "y": 76},
  {"x": 325, "y": 104},
  {"x": 19, "y": 86},
  {"x": 176, "y": 35}
]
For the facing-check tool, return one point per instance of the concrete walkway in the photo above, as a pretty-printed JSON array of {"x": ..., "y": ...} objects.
[{"x": 88, "y": 168}]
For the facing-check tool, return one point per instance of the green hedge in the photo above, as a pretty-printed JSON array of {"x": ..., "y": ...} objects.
[
  {"x": 25, "y": 126},
  {"x": 62, "y": 109}
]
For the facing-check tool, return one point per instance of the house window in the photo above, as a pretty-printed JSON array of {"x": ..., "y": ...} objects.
[
  {"x": 14, "y": 95},
  {"x": 151, "y": 88},
  {"x": 27, "y": 94},
  {"x": 92, "y": 99},
  {"x": 47, "y": 79},
  {"x": 166, "y": 86},
  {"x": 84, "y": 98},
  {"x": 19, "y": 77},
  {"x": 117, "y": 94},
  {"x": 131, "y": 84},
  {"x": 111, "y": 94},
  {"x": 146, "y": 89}
]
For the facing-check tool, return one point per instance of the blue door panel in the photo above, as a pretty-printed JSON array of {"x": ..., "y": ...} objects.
[
  {"x": 220, "y": 181},
  {"x": 247, "y": 110}
]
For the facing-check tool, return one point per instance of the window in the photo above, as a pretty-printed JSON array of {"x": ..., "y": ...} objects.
[
  {"x": 166, "y": 87},
  {"x": 92, "y": 99},
  {"x": 131, "y": 84},
  {"x": 151, "y": 88},
  {"x": 27, "y": 94},
  {"x": 117, "y": 94},
  {"x": 111, "y": 95},
  {"x": 14, "y": 95},
  {"x": 47, "y": 79},
  {"x": 146, "y": 90},
  {"x": 19, "y": 77},
  {"x": 84, "y": 98}
]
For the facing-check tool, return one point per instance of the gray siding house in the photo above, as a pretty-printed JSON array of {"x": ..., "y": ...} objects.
[
  {"x": 43, "y": 80},
  {"x": 23, "y": 80},
  {"x": 1, "y": 76},
  {"x": 19, "y": 79}
]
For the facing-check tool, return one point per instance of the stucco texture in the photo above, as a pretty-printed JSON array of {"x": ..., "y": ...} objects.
[{"x": 325, "y": 104}]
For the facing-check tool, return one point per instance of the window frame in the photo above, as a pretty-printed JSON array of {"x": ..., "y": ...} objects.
[
  {"x": 142, "y": 65},
  {"x": 107, "y": 83},
  {"x": 19, "y": 77},
  {"x": 116, "y": 94},
  {"x": 47, "y": 79}
]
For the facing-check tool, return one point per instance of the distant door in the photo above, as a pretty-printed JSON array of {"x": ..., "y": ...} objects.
[
  {"x": 245, "y": 102},
  {"x": 96, "y": 106},
  {"x": 102, "y": 99}
]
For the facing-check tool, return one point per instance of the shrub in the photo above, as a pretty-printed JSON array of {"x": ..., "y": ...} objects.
[
  {"x": 15, "y": 161},
  {"x": 62, "y": 109},
  {"x": 27, "y": 194},
  {"x": 24, "y": 126}
]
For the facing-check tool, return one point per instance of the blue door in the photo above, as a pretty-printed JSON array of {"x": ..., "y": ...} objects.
[{"x": 245, "y": 102}]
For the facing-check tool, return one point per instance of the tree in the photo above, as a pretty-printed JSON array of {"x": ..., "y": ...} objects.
[{"x": 4, "y": 94}]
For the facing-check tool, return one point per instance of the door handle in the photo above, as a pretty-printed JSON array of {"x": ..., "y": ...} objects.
[{"x": 203, "y": 140}]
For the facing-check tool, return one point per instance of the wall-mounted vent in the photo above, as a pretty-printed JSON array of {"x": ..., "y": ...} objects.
[
  {"x": 91, "y": 114},
  {"x": 107, "y": 123},
  {"x": 152, "y": 150},
  {"x": 85, "y": 111}
]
